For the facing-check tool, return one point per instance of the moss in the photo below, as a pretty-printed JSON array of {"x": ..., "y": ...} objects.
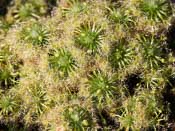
[{"x": 96, "y": 64}]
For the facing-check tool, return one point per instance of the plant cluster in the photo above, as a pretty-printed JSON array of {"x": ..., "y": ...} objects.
[
  {"x": 89, "y": 36},
  {"x": 61, "y": 60},
  {"x": 36, "y": 34},
  {"x": 89, "y": 65},
  {"x": 9, "y": 71}
]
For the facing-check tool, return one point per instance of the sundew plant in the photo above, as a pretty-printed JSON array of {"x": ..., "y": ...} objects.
[{"x": 76, "y": 65}]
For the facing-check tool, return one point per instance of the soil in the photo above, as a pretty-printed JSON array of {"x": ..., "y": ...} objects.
[{"x": 3, "y": 6}]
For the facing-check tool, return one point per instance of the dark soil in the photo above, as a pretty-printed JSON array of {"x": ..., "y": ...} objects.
[
  {"x": 104, "y": 120},
  {"x": 3, "y": 6},
  {"x": 173, "y": 1},
  {"x": 169, "y": 99},
  {"x": 131, "y": 82},
  {"x": 19, "y": 126},
  {"x": 51, "y": 4},
  {"x": 171, "y": 36}
]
